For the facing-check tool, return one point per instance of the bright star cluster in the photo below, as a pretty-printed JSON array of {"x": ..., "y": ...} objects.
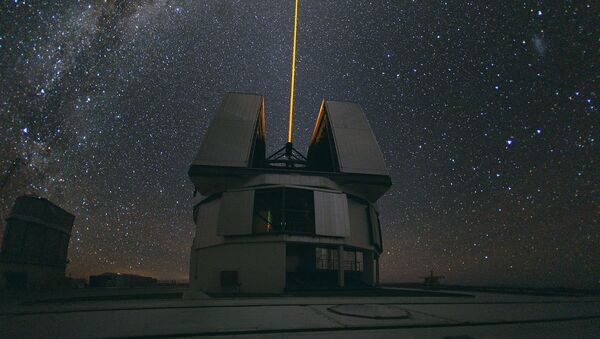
[{"x": 486, "y": 113}]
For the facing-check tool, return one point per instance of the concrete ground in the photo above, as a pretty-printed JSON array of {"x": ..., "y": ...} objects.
[{"x": 484, "y": 315}]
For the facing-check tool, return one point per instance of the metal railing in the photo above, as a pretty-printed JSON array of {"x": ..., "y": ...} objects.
[{"x": 332, "y": 264}]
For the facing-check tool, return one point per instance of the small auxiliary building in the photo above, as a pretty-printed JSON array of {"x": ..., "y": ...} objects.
[
  {"x": 284, "y": 222},
  {"x": 36, "y": 240}
]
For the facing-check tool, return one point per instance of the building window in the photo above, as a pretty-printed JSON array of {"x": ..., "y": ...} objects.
[
  {"x": 327, "y": 259},
  {"x": 284, "y": 210},
  {"x": 353, "y": 261}
]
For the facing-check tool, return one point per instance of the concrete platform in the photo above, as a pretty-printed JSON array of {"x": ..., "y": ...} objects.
[{"x": 485, "y": 315}]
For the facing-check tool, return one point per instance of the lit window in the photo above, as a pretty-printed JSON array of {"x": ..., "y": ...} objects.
[{"x": 284, "y": 210}]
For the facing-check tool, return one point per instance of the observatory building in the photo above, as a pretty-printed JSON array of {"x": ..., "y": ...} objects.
[
  {"x": 34, "y": 249},
  {"x": 286, "y": 222}
]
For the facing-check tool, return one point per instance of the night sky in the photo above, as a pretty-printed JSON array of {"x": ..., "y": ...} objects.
[{"x": 486, "y": 112}]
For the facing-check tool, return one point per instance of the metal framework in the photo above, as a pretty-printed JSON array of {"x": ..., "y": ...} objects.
[{"x": 287, "y": 156}]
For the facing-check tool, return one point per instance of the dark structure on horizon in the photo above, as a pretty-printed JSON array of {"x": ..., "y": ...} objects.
[
  {"x": 267, "y": 224},
  {"x": 110, "y": 279},
  {"x": 432, "y": 280},
  {"x": 36, "y": 240}
]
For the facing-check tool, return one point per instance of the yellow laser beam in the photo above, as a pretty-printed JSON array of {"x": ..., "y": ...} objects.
[{"x": 293, "y": 72}]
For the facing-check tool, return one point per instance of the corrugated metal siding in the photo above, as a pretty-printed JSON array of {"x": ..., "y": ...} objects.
[
  {"x": 229, "y": 138},
  {"x": 331, "y": 214},
  {"x": 235, "y": 213},
  {"x": 356, "y": 146}
]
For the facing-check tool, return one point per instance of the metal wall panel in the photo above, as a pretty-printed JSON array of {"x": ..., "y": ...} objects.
[
  {"x": 331, "y": 214},
  {"x": 375, "y": 228},
  {"x": 360, "y": 224},
  {"x": 235, "y": 213},
  {"x": 356, "y": 146},
  {"x": 207, "y": 221},
  {"x": 230, "y": 137}
]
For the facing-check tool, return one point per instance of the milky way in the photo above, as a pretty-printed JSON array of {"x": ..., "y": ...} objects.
[{"x": 486, "y": 114}]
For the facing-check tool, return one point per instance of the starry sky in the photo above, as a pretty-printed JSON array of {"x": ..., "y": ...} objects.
[{"x": 486, "y": 112}]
